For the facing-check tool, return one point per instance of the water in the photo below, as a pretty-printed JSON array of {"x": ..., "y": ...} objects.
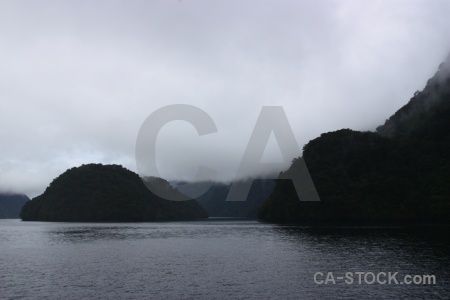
[{"x": 216, "y": 259}]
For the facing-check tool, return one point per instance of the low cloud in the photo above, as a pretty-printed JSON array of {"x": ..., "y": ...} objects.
[{"x": 78, "y": 78}]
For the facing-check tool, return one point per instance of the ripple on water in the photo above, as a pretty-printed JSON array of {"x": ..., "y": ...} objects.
[{"x": 213, "y": 260}]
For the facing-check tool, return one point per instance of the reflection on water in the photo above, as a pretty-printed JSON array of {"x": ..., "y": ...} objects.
[{"x": 214, "y": 260}]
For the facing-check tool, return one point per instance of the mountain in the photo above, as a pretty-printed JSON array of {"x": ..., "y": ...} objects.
[
  {"x": 11, "y": 204},
  {"x": 425, "y": 116},
  {"x": 106, "y": 193},
  {"x": 397, "y": 174},
  {"x": 214, "y": 200}
]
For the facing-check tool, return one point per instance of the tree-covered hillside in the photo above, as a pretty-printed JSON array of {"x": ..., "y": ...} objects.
[
  {"x": 105, "y": 193},
  {"x": 397, "y": 174}
]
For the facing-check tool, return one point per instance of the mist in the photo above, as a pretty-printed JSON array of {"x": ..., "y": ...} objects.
[{"x": 78, "y": 78}]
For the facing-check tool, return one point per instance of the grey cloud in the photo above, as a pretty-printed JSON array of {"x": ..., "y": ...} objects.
[{"x": 78, "y": 78}]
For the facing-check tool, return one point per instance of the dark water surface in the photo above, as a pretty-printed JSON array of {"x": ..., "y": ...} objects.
[{"x": 215, "y": 259}]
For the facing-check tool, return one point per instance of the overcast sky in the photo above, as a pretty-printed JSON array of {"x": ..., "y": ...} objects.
[{"x": 78, "y": 78}]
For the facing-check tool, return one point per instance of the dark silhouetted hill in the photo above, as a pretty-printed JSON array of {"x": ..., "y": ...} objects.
[
  {"x": 105, "y": 193},
  {"x": 398, "y": 174}
]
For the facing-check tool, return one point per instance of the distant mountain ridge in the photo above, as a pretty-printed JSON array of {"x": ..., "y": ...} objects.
[
  {"x": 397, "y": 174},
  {"x": 11, "y": 204},
  {"x": 214, "y": 200},
  {"x": 106, "y": 193}
]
